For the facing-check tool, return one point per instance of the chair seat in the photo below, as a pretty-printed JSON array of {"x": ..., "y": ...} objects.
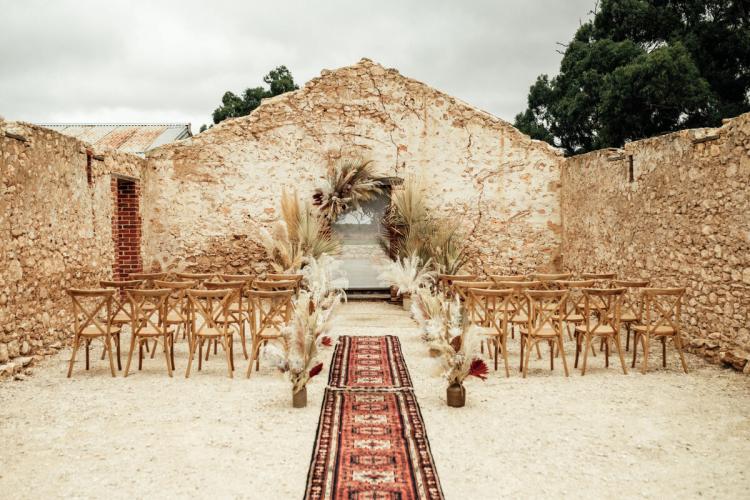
[
  {"x": 174, "y": 317},
  {"x": 269, "y": 333},
  {"x": 545, "y": 331},
  {"x": 210, "y": 332},
  {"x": 628, "y": 317},
  {"x": 93, "y": 331},
  {"x": 228, "y": 318},
  {"x": 149, "y": 331},
  {"x": 520, "y": 318},
  {"x": 597, "y": 329},
  {"x": 571, "y": 318},
  {"x": 121, "y": 317},
  {"x": 662, "y": 330},
  {"x": 487, "y": 331}
]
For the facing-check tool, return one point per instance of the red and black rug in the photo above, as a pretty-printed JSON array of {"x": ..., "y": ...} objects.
[{"x": 371, "y": 442}]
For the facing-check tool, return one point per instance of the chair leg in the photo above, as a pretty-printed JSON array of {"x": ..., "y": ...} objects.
[
  {"x": 200, "y": 353},
  {"x": 497, "y": 345},
  {"x": 562, "y": 355},
  {"x": 130, "y": 355},
  {"x": 645, "y": 353},
  {"x": 606, "y": 351},
  {"x": 618, "y": 345},
  {"x": 505, "y": 355},
  {"x": 192, "y": 347},
  {"x": 119, "y": 361},
  {"x": 551, "y": 356},
  {"x": 578, "y": 349},
  {"x": 140, "y": 352},
  {"x": 167, "y": 356},
  {"x": 252, "y": 356},
  {"x": 108, "y": 349},
  {"x": 242, "y": 338},
  {"x": 538, "y": 351},
  {"x": 586, "y": 354},
  {"x": 636, "y": 337},
  {"x": 627, "y": 336},
  {"x": 88, "y": 344},
  {"x": 171, "y": 348},
  {"x": 678, "y": 344},
  {"x": 523, "y": 346},
  {"x": 528, "y": 352},
  {"x": 664, "y": 352},
  {"x": 73, "y": 355},
  {"x": 227, "y": 349}
]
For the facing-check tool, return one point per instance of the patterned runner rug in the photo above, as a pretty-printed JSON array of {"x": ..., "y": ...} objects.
[{"x": 371, "y": 443}]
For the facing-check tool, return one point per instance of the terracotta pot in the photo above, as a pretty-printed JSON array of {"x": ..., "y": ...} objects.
[
  {"x": 456, "y": 394},
  {"x": 406, "y": 298},
  {"x": 299, "y": 398}
]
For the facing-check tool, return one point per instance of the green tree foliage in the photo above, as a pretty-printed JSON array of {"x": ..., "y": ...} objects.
[
  {"x": 644, "y": 67},
  {"x": 279, "y": 81}
]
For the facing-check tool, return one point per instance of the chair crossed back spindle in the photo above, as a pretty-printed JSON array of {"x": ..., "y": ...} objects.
[
  {"x": 206, "y": 309},
  {"x": 490, "y": 308},
  {"x": 198, "y": 278},
  {"x": 147, "y": 279},
  {"x": 461, "y": 288},
  {"x": 602, "y": 279},
  {"x": 296, "y": 277},
  {"x": 519, "y": 302},
  {"x": 276, "y": 285},
  {"x": 445, "y": 281},
  {"x": 237, "y": 301},
  {"x": 662, "y": 308},
  {"x": 632, "y": 301},
  {"x": 550, "y": 281},
  {"x": 148, "y": 309},
  {"x": 92, "y": 310},
  {"x": 120, "y": 303},
  {"x": 574, "y": 304},
  {"x": 608, "y": 303},
  {"x": 176, "y": 308},
  {"x": 545, "y": 310},
  {"x": 271, "y": 309}
]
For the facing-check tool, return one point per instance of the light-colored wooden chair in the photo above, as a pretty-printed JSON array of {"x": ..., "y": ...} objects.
[
  {"x": 121, "y": 314},
  {"x": 573, "y": 315},
  {"x": 461, "y": 288},
  {"x": 632, "y": 304},
  {"x": 519, "y": 306},
  {"x": 550, "y": 281},
  {"x": 271, "y": 311},
  {"x": 205, "y": 307},
  {"x": 92, "y": 314},
  {"x": 147, "y": 279},
  {"x": 177, "y": 307},
  {"x": 502, "y": 278},
  {"x": 237, "y": 313},
  {"x": 445, "y": 281},
  {"x": 544, "y": 307},
  {"x": 275, "y": 285},
  {"x": 296, "y": 277},
  {"x": 198, "y": 278},
  {"x": 601, "y": 280},
  {"x": 490, "y": 310},
  {"x": 661, "y": 320},
  {"x": 605, "y": 326},
  {"x": 149, "y": 308}
]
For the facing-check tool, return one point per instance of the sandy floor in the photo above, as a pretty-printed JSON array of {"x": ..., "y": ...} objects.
[{"x": 664, "y": 434}]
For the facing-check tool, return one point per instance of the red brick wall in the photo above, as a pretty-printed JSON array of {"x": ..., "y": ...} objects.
[{"x": 126, "y": 228}]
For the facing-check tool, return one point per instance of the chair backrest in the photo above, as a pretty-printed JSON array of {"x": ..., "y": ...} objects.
[
  {"x": 545, "y": 309},
  {"x": 275, "y": 285},
  {"x": 247, "y": 278},
  {"x": 89, "y": 305},
  {"x": 633, "y": 300},
  {"x": 270, "y": 308},
  {"x": 120, "y": 301},
  {"x": 461, "y": 288},
  {"x": 549, "y": 281},
  {"x": 519, "y": 302},
  {"x": 574, "y": 303},
  {"x": 490, "y": 308},
  {"x": 296, "y": 277},
  {"x": 662, "y": 307},
  {"x": 445, "y": 281},
  {"x": 208, "y": 305},
  {"x": 147, "y": 279},
  {"x": 177, "y": 302},
  {"x": 149, "y": 308},
  {"x": 606, "y": 303},
  {"x": 602, "y": 279},
  {"x": 502, "y": 278},
  {"x": 237, "y": 293},
  {"x": 199, "y": 278}
]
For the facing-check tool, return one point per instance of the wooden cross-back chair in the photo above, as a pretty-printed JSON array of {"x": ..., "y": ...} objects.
[
  {"x": 605, "y": 326},
  {"x": 296, "y": 277},
  {"x": 661, "y": 319},
  {"x": 544, "y": 325},
  {"x": 275, "y": 285},
  {"x": 574, "y": 306},
  {"x": 461, "y": 288},
  {"x": 237, "y": 312},
  {"x": 121, "y": 314},
  {"x": 490, "y": 310},
  {"x": 550, "y": 281},
  {"x": 271, "y": 311},
  {"x": 92, "y": 319},
  {"x": 632, "y": 304},
  {"x": 519, "y": 303},
  {"x": 602, "y": 280},
  {"x": 149, "y": 308},
  {"x": 445, "y": 281},
  {"x": 206, "y": 307},
  {"x": 503, "y": 278},
  {"x": 147, "y": 279},
  {"x": 177, "y": 309},
  {"x": 198, "y": 278}
]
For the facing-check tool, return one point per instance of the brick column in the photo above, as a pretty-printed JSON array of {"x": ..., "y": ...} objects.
[{"x": 126, "y": 228}]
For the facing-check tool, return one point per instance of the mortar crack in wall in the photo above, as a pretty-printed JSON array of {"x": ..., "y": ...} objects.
[{"x": 385, "y": 111}]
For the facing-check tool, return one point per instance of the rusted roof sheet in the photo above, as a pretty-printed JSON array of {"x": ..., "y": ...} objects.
[{"x": 133, "y": 138}]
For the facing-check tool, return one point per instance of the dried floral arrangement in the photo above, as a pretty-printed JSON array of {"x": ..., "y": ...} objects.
[
  {"x": 431, "y": 311},
  {"x": 458, "y": 343},
  {"x": 347, "y": 184},
  {"x": 407, "y": 274},
  {"x": 324, "y": 280},
  {"x": 306, "y": 333},
  {"x": 301, "y": 233},
  {"x": 414, "y": 231}
]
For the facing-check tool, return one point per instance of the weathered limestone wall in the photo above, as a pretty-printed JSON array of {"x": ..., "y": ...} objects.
[
  {"x": 216, "y": 189},
  {"x": 56, "y": 233},
  {"x": 683, "y": 221}
]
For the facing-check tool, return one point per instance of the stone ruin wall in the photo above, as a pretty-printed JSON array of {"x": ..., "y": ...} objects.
[
  {"x": 56, "y": 233},
  {"x": 215, "y": 190},
  {"x": 683, "y": 221}
]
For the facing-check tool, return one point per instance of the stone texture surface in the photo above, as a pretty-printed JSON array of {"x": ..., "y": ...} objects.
[
  {"x": 216, "y": 189},
  {"x": 683, "y": 221},
  {"x": 56, "y": 233}
]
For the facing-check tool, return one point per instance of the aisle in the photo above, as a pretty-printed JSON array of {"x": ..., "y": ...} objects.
[{"x": 371, "y": 441}]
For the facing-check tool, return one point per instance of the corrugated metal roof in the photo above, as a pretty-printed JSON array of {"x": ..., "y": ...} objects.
[{"x": 136, "y": 138}]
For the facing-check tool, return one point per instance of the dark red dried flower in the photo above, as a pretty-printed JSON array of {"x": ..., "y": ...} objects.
[
  {"x": 456, "y": 342},
  {"x": 326, "y": 341},
  {"x": 479, "y": 369},
  {"x": 319, "y": 368}
]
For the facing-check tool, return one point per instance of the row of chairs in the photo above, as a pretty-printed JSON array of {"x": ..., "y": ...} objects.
[
  {"x": 206, "y": 309},
  {"x": 587, "y": 309}
]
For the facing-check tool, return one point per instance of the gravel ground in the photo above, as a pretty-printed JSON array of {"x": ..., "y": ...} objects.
[{"x": 663, "y": 434}]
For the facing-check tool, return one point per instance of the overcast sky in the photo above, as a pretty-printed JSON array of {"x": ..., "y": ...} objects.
[{"x": 171, "y": 61}]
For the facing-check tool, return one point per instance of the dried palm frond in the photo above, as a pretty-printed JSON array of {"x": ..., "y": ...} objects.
[
  {"x": 347, "y": 184},
  {"x": 446, "y": 248},
  {"x": 407, "y": 275},
  {"x": 302, "y": 232}
]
